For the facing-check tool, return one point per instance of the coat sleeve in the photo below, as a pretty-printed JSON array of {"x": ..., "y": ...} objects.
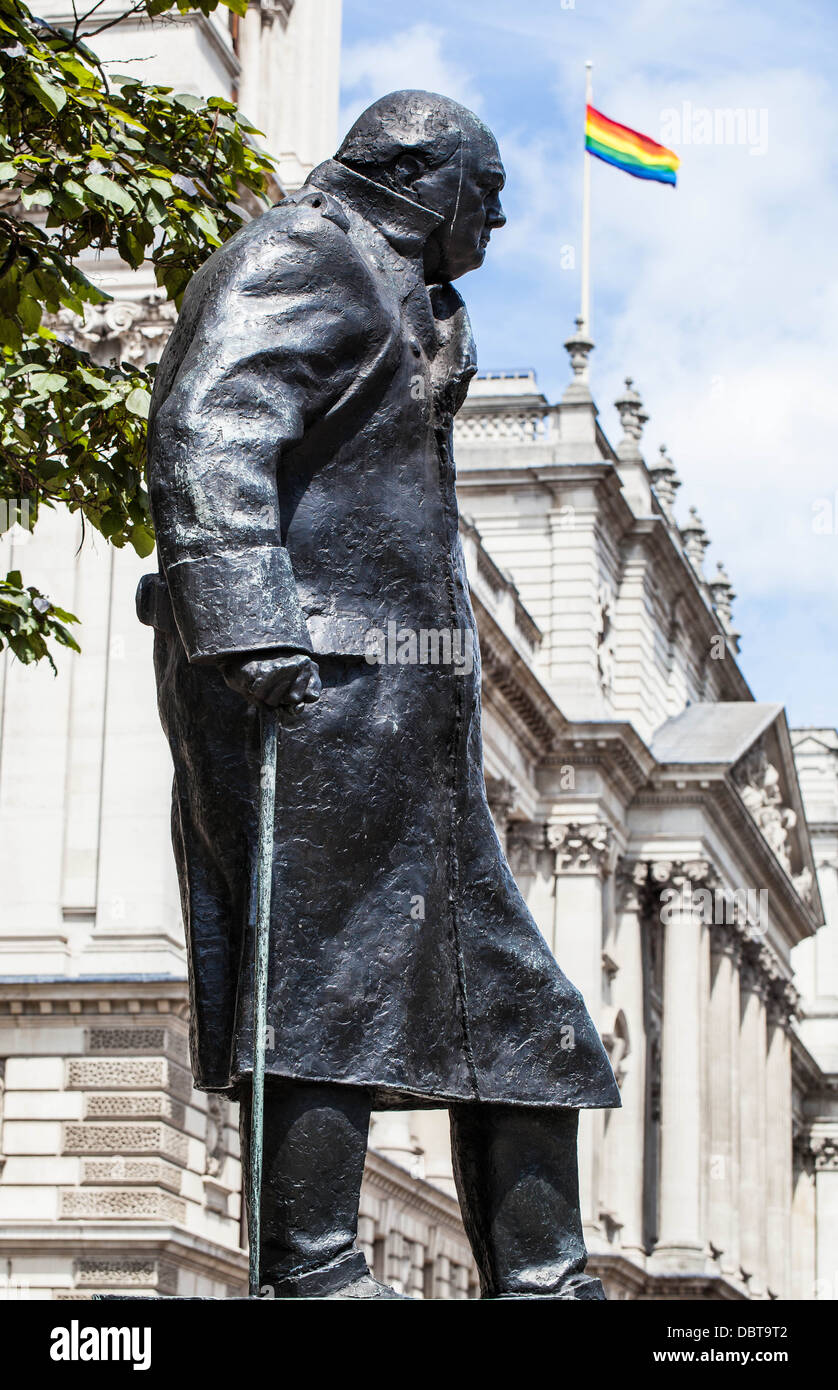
[{"x": 274, "y": 334}]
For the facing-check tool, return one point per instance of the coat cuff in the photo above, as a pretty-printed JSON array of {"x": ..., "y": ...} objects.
[{"x": 229, "y": 604}]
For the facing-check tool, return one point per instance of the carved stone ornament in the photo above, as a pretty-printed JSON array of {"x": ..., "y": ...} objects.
[
  {"x": 634, "y": 891},
  {"x": 758, "y": 783},
  {"x": 122, "y": 331},
  {"x": 580, "y": 848},
  {"x": 524, "y": 840},
  {"x": 824, "y": 1150},
  {"x": 665, "y": 481}
]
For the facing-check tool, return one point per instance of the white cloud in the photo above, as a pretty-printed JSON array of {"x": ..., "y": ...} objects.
[
  {"x": 413, "y": 57},
  {"x": 720, "y": 298}
]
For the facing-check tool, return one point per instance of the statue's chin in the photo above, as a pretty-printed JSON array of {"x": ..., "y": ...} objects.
[{"x": 463, "y": 264}]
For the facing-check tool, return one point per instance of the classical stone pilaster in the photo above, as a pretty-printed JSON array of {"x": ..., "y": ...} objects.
[
  {"x": 524, "y": 843},
  {"x": 780, "y": 1006},
  {"x": 723, "y": 1088},
  {"x": 754, "y": 981},
  {"x": 824, "y": 1147},
  {"x": 626, "y": 1139},
  {"x": 501, "y": 795},
  {"x": 803, "y": 1216},
  {"x": 583, "y": 857},
  {"x": 686, "y": 973}
]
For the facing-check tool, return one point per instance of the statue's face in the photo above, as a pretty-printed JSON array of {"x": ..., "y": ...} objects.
[{"x": 466, "y": 192}]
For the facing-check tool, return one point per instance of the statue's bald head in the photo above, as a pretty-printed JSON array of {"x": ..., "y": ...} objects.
[
  {"x": 438, "y": 153},
  {"x": 423, "y": 125}
]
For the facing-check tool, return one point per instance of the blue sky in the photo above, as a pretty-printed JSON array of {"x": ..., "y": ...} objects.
[{"x": 719, "y": 298}]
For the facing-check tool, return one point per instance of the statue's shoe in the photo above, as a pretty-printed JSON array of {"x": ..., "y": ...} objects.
[
  {"x": 367, "y": 1287},
  {"x": 578, "y": 1289}
]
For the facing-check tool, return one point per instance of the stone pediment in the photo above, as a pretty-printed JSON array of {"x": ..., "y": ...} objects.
[
  {"x": 751, "y": 743},
  {"x": 811, "y": 741}
]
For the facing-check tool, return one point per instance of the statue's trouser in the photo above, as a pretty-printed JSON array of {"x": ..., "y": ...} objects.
[{"x": 516, "y": 1174}]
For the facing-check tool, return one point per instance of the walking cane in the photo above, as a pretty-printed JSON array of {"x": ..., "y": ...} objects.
[{"x": 264, "y": 873}]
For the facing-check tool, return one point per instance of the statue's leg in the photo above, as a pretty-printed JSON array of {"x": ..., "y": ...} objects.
[
  {"x": 315, "y": 1142},
  {"x": 517, "y": 1178}
]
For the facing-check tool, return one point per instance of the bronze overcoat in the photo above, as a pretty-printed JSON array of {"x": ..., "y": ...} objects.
[{"x": 302, "y": 487}]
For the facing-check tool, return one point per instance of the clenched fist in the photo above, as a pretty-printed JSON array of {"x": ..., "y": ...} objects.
[{"x": 282, "y": 681}]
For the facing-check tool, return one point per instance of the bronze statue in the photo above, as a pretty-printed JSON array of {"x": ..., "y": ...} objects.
[{"x": 302, "y": 485}]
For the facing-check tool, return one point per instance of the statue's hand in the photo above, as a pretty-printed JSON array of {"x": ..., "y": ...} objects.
[{"x": 287, "y": 681}]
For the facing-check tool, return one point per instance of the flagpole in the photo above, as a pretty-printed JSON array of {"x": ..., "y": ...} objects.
[{"x": 585, "y": 308}]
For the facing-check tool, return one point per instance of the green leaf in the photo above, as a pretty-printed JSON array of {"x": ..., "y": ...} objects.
[
  {"x": 29, "y": 313},
  {"x": 49, "y": 94},
  {"x": 138, "y": 402},
  {"x": 44, "y": 383},
  {"x": 204, "y": 219},
  {"x": 36, "y": 197},
  {"x": 106, "y": 188},
  {"x": 142, "y": 539},
  {"x": 10, "y": 335}
]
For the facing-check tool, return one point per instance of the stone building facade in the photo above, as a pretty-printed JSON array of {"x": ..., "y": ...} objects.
[{"x": 676, "y": 844}]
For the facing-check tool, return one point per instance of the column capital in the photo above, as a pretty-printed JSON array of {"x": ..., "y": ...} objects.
[
  {"x": 761, "y": 973},
  {"x": 758, "y": 969},
  {"x": 632, "y": 880},
  {"x": 783, "y": 1003},
  {"x": 501, "y": 795},
  {"x": 581, "y": 848},
  {"x": 524, "y": 840},
  {"x": 824, "y": 1151},
  {"x": 676, "y": 873},
  {"x": 727, "y": 939}
]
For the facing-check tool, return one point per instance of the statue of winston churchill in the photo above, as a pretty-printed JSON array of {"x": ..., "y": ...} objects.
[{"x": 302, "y": 486}]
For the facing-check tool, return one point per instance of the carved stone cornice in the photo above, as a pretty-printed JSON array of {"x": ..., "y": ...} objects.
[
  {"x": 506, "y": 675},
  {"x": 581, "y": 848}
]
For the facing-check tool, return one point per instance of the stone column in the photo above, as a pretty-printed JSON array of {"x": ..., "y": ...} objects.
[
  {"x": 627, "y": 1127},
  {"x": 681, "y": 1244},
  {"x": 723, "y": 1085},
  {"x": 778, "y": 1147},
  {"x": 433, "y": 1135},
  {"x": 752, "y": 1119},
  {"x": 392, "y": 1135},
  {"x": 803, "y": 1220},
  {"x": 248, "y": 47},
  {"x": 501, "y": 795},
  {"x": 532, "y": 865},
  {"x": 825, "y": 1152},
  {"x": 582, "y": 859}
]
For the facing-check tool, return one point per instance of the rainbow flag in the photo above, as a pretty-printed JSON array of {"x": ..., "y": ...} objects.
[{"x": 628, "y": 149}]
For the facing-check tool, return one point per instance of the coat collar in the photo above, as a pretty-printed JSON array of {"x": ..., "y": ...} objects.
[{"x": 405, "y": 224}]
